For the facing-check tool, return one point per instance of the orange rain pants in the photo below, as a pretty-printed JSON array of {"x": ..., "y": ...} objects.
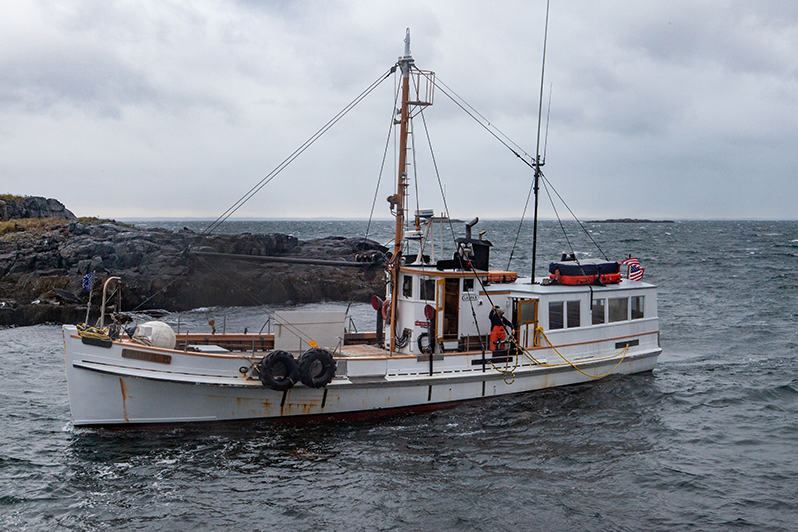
[{"x": 497, "y": 336}]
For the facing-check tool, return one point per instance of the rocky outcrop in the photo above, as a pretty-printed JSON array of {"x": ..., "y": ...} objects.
[
  {"x": 41, "y": 273},
  {"x": 13, "y": 207}
]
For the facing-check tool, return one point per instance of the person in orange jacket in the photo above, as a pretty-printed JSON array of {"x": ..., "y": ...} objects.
[{"x": 498, "y": 327}]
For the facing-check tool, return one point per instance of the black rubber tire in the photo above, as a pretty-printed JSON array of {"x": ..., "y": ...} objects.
[
  {"x": 316, "y": 368},
  {"x": 278, "y": 370}
]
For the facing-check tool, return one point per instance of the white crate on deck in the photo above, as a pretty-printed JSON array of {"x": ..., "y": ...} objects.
[{"x": 294, "y": 329}]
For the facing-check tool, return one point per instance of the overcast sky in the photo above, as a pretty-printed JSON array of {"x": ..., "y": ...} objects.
[{"x": 680, "y": 109}]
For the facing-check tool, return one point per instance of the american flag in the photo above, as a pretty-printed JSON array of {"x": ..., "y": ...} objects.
[
  {"x": 635, "y": 269},
  {"x": 88, "y": 281}
]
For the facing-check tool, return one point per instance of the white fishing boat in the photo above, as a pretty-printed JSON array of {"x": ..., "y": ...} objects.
[{"x": 434, "y": 345}]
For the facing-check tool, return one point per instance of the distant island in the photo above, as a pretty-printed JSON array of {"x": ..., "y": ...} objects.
[{"x": 630, "y": 221}]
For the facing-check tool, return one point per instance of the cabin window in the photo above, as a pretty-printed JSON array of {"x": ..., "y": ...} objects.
[
  {"x": 619, "y": 309},
  {"x": 428, "y": 289},
  {"x": 638, "y": 306},
  {"x": 407, "y": 286},
  {"x": 555, "y": 315},
  {"x": 598, "y": 311},
  {"x": 525, "y": 312},
  {"x": 573, "y": 313},
  {"x": 468, "y": 285}
]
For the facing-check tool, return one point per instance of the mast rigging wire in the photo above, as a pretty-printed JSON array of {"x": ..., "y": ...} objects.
[
  {"x": 521, "y": 224},
  {"x": 451, "y": 228},
  {"x": 532, "y": 186},
  {"x": 559, "y": 220},
  {"x": 457, "y": 100},
  {"x": 509, "y": 143},
  {"x": 437, "y": 174},
  {"x": 280, "y": 167},
  {"x": 548, "y": 116},
  {"x": 382, "y": 164},
  {"x": 498, "y": 135},
  {"x": 548, "y": 183},
  {"x": 538, "y": 173},
  {"x": 296, "y": 331},
  {"x": 482, "y": 121},
  {"x": 542, "y": 72}
]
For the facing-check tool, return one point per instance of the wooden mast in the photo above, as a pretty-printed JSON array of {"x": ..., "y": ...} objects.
[{"x": 399, "y": 200}]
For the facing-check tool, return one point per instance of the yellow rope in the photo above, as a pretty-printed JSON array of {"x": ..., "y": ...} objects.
[
  {"x": 527, "y": 353},
  {"x": 534, "y": 360},
  {"x": 625, "y": 350},
  {"x": 505, "y": 372},
  {"x": 86, "y": 331}
]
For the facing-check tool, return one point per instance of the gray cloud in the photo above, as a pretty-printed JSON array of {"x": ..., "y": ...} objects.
[
  {"x": 77, "y": 78},
  {"x": 661, "y": 110}
]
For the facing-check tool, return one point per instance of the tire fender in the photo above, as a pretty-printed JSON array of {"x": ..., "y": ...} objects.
[
  {"x": 278, "y": 370},
  {"x": 317, "y": 367}
]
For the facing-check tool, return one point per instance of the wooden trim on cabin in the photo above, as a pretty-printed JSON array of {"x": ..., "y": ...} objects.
[{"x": 504, "y": 293}]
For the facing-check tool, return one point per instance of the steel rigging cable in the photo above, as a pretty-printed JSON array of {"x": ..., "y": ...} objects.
[{"x": 280, "y": 167}]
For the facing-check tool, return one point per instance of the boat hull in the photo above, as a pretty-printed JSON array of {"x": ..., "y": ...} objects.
[{"x": 106, "y": 389}]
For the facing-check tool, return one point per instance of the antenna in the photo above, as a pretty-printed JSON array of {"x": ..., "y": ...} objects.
[
  {"x": 537, "y": 149},
  {"x": 546, "y": 139}
]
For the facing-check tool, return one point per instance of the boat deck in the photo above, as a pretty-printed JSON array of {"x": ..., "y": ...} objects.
[{"x": 362, "y": 350}]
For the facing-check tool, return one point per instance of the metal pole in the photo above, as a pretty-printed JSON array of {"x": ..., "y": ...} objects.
[
  {"x": 102, "y": 309},
  {"x": 405, "y": 64},
  {"x": 88, "y": 306},
  {"x": 537, "y": 151}
]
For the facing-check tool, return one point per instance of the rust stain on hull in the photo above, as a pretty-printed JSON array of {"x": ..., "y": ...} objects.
[
  {"x": 124, "y": 399},
  {"x": 258, "y": 408},
  {"x": 305, "y": 407}
]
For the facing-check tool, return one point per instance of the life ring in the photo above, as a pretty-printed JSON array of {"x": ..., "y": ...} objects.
[
  {"x": 278, "y": 370},
  {"x": 430, "y": 343},
  {"x": 386, "y": 309},
  {"x": 316, "y": 367}
]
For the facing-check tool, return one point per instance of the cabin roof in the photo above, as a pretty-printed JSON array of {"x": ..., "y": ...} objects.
[{"x": 523, "y": 286}]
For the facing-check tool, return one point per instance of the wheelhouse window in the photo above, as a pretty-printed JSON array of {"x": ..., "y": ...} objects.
[
  {"x": 407, "y": 286},
  {"x": 638, "y": 307},
  {"x": 468, "y": 285},
  {"x": 598, "y": 311},
  {"x": 527, "y": 311},
  {"x": 573, "y": 313},
  {"x": 428, "y": 289},
  {"x": 556, "y": 315},
  {"x": 619, "y": 309}
]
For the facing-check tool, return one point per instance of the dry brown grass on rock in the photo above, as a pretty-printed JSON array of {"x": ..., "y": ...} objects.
[
  {"x": 33, "y": 225},
  {"x": 42, "y": 225},
  {"x": 11, "y": 197}
]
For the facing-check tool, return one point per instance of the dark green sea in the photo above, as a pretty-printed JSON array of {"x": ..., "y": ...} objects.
[{"x": 708, "y": 441}]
